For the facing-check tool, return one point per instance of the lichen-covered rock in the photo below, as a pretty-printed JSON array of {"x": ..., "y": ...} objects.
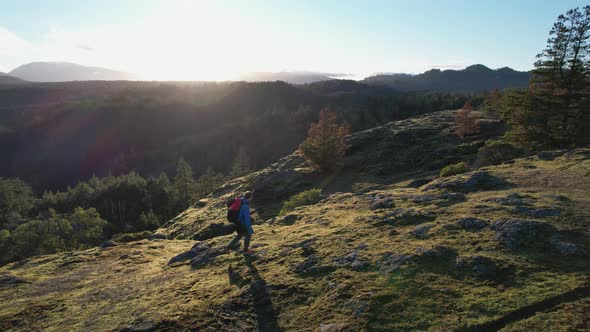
[
  {"x": 471, "y": 223},
  {"x": 7, "y": 279},
  {"x": 419, "y": 182},
  {"x": 420, "y": 232},
  {"x": 566, "y": 248},
  {"x": 440, "y": 256},
  {"x": 351, "y": 260},
  {"x": 391, "y": 262},
  {"x": 382, "y": 203},
  {"x": 511, "y": 199},
  {"x": 156, "y": 236},
  {"x": 288, "y": 219},
  {"x": 333, "y": 327},
  {"x": 108, "y": 244},
  {"x": 517, "y": 233},
  {"x": 479, "y": 266},
  {"x": 468, "y": 182},
  {"x": 536, "y": 213},
  {"x": 406, "y": 216},
  {"x": 307, "y": 264}
]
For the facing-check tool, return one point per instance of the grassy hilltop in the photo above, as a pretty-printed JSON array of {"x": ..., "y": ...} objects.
[{"x": 388, "y": 247}]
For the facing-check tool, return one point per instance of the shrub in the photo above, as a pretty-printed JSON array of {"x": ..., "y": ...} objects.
[
  {"x": 325, "y": 145},
  {"x": 307, "y": 197},
  {"x": 497, "y": 152},
  {"x": 455, "y": 169},
  {"x": 130, "y": 237}
]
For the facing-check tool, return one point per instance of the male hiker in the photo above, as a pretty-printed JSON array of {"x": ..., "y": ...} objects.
[{"x": 243, "y": 225}]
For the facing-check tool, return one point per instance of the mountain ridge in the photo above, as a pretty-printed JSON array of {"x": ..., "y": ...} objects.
[
  {"x": 66, "y": 71},
  {"x": 474, "y": 78}
]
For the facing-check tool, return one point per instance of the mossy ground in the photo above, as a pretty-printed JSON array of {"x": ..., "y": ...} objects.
[{"x": 131, "y": 285}]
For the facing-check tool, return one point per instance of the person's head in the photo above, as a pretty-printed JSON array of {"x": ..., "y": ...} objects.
[{"x": 248, "y": 195}]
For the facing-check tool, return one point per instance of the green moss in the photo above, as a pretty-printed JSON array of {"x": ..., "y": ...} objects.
[
  {"x": 307, "y": 197},
  {"x": 455, "y": 169}
]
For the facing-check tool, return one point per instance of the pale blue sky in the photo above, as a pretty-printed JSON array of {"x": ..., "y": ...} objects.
[{"x": 220, "y": 39}]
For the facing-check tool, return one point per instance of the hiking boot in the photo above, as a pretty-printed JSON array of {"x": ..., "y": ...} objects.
[
  {"x": 226, "y": 249},
  {"x": 248, "y": 252}
]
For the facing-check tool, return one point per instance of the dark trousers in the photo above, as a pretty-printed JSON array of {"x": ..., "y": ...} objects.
[{"x": 242, "y": 232}]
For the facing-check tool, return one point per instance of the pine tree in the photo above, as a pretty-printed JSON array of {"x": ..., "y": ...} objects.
[
  {"x": 325, "y": 146},
  {"x": 465, "y": 122},
  {"x": 241, "y": 164},
  {"x": 560, "y": 84},
  {"x": 184, "y": 183}
]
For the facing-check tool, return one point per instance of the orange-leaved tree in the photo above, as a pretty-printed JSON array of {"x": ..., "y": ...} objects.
[
  {"x": 325, "y": 145},
  {"x": 465, "y": 122}
]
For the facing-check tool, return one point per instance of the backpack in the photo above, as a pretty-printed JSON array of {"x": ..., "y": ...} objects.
[{"x": 233, "y": 209}]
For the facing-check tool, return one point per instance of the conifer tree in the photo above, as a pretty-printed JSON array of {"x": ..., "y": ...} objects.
[
  {"x": 241, "y": 164},
  {"x": 465, "y": 122},
  {"x": 554, "y": 112},
  {"x": 325, "y": 145},
  {"x": 184, "y": 182}
]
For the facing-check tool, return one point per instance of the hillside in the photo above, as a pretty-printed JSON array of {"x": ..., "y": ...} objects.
[
  {"x": 7, "y": 79},
  {"x": 475, "y": 78},
  {"x": 64, "y": 71},
  {"x": 499, "y": 248},
  {"x": 60, "y": 133}
]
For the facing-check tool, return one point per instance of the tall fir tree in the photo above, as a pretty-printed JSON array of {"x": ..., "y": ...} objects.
[
  {"x": 184, "y": 183},
  {"x": 325, "y": 145},
  {"x": 560, "y": 85},
  {"x": 241, "y": 164}
]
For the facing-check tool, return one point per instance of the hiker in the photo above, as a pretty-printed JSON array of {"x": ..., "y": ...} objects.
[{"x": 243, "y": 225}]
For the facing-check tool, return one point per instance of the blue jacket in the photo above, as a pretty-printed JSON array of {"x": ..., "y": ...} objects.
[{"x": 244, "y": 216}]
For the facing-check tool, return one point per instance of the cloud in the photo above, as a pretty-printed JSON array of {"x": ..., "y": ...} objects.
[
  {"x": 85, "y": 47},
  {"x": 11, "y": 44}
]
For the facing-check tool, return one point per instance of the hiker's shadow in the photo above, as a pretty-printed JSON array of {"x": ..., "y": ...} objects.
[{"x": 266, "y": 315}]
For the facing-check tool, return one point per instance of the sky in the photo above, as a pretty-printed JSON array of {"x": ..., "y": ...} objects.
[{"x": 221, "y": 39}]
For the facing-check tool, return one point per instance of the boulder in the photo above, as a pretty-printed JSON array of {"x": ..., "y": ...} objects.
[
  {"x": 406, "y": 217},
  {"x": 7, "y": 279},
  {"x": 108, "y": 244},
  {"x": 351, "y": 260},
  {"x": 382, "y": 203},
  {"x": 517, "y": 233},
  {"x": 333, "y": 327},
  {"x": 566, "y": 248},
  {"x": 156, "y": 236},
  {"x": 479, "y": 266},
  {"x": 536, "y": 213},
  {"x": 420, "y": 232},
  {"x": 439, "y": 255},
  {"x": 307, "y": 264},
  {"x": 419, "y": 182},
  {"x": 288, "y": 219},
  {"x": 391, "y": 262},
  {"x": 512, "y": 199},
  {"x": 467, "y": 182},
  {"x": 470, "y": 223}
]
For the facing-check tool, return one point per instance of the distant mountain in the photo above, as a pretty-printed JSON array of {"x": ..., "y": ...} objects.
[
  {"x": 289, "y": 77},
  {"x": 7, "y": 79},
  {"x": 64, "y": 71},
  {"x": 475, "y": 78}
]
